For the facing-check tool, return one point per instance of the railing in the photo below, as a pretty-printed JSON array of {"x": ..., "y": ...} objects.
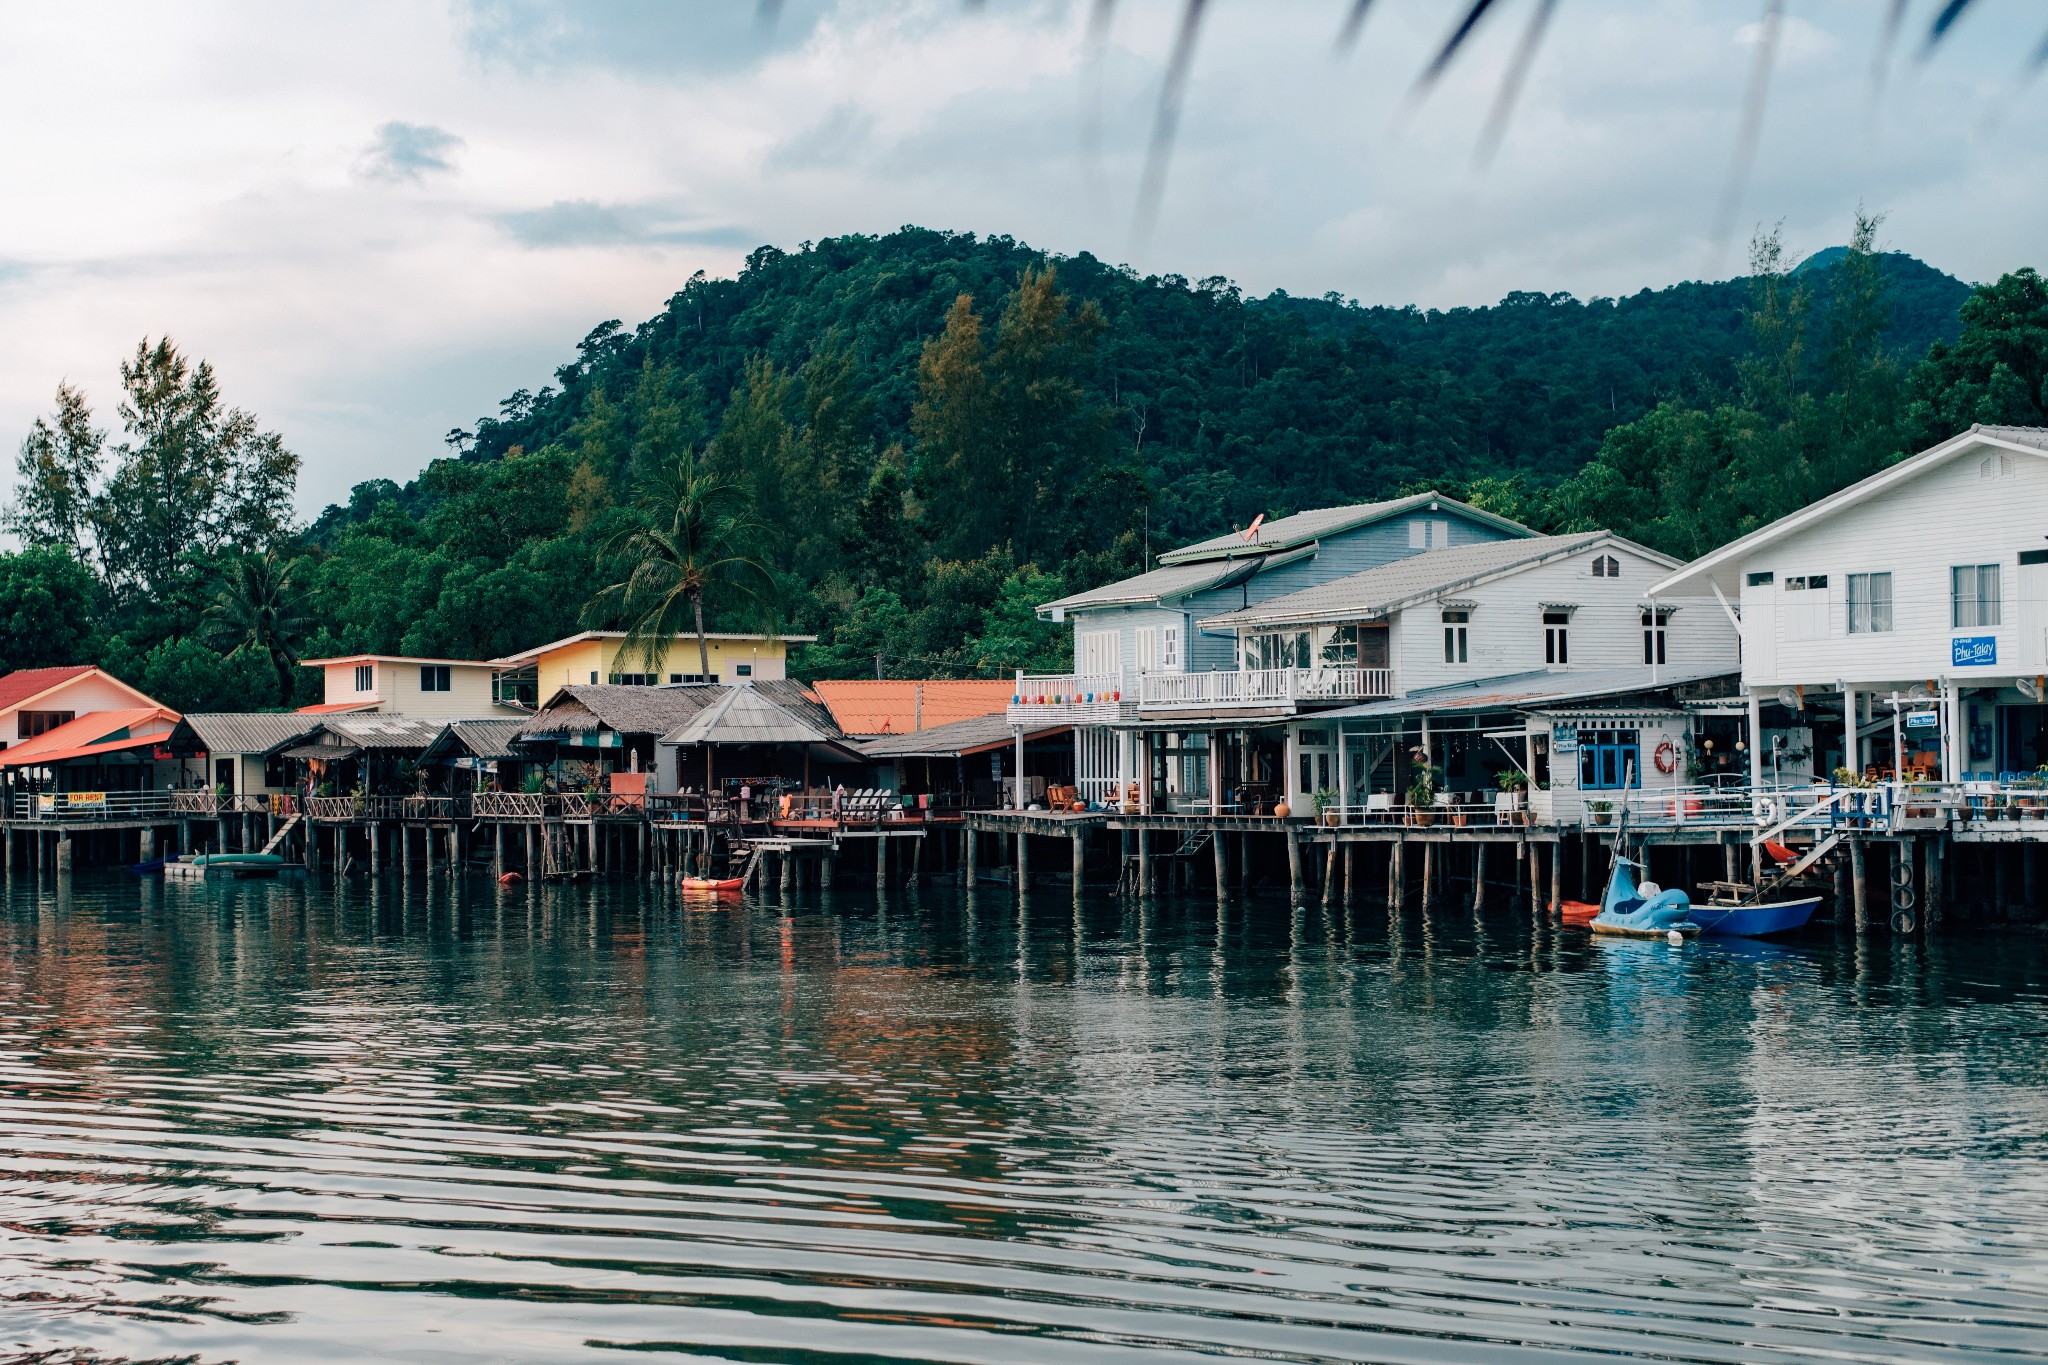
[
  {"x": 509, "y": 805},
  {"x": 59, "y": 807},
  {"x": 1263, "y": 687},
  {"x": 1376, "y": 814},
  {"x": 337, "y": 807}
]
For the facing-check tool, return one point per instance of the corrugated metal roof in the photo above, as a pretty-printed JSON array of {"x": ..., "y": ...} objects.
[
  {"x": 239, "y": 732},
  {"x": 383, "y": 731},
  {"x": 744, "y": 716},
  {"x": 490, "y": 740},
  {"x": 869, "y": 706},
  {"x": 2026, "y": 436},
  {"x": 1418, "y": 577},
  {"x": 961, "y": 737},
  {"x": 1285, "y": 532},
  {"x": 654, "y": 711},
  {"x": 1176, "y": 581},
  {"x": 1530, "y": 691},
  {"x": 96, "y": 732}
]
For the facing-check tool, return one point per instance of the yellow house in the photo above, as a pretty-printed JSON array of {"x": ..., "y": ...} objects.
[{"x": 600, "y": 656}]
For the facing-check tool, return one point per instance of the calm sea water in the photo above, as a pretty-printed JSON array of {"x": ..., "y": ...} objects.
[{"x": 285, "y": 1121}]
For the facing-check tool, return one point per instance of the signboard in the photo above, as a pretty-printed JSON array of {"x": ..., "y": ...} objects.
[
  {"x": 1973, "y": 651},
  {"x": 1564, "y": 739},
  {"x": 46, "y": 804},
  {"x": 85, "y": 800},
  {"x": 1923, "y": 720}
]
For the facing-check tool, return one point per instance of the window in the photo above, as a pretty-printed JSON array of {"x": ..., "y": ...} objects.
[
  {"x": 1653, "y": 636},
  {"x": 1287, "y": 649},
  {"x": 32, "y": 723},
  {"x": 1995, "y": 467},
  {"x": 1557, "y": 637},
  {"x": 1806, "y": 607},
  {"x": 1338, "y": 647},
  {"x": 1169, "y": 648},
  {"x": 1425, "y": 533},
  {"x": 1870, "y": 603},
  {"x": 675, "y": 678},
  {"x": 1609, "y": 760},
  {"x": 743, "y": 670},
  {"x": 635, "y": 679},
  {"x": 1145, "y": 642},
  {"x": 1606, "y": 566},
  {"x": 1813, "y": 582},
  {"x": 1762, "y": 580},
  {"x": 593, "y": 675},
  {"x": 2034, "y": 556},
  {"x": 1974, "y": 596},
  {"x": 1457, "y": 644},
  {"x": 434, "y": 678},
  {"x": 366, "y": 677},
  {"x": 1095, "y": 653}
]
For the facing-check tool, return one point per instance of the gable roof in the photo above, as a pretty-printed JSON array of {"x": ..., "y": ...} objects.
[
  {"x": 744, "y": 716},
  {"x": 863, "y": 706},
  {"x": 1174, "y": 580},
  {"x": 1283, "y": 533},
  {"x": 378, "y": 731},
  {"x": 654, "y": 711},
  {"x": 489, "y": 740},
  {"x": 96, "y": 732},
  {"x": 1420, "y": 577},
  {"x": 2025, "y": 440},
  {"x": 24, "y": 685},
  {"x": 977, "y": 734},
  {"x": 237, "y": 732}
]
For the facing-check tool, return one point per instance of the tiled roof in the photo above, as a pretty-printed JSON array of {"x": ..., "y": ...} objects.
[
  {"x": 238, "y": 732},
  {"x": 1418, "y": 577},
  {"x": 1298, "y": 529},
  {"x": 23, "y": 683},
  {"x": 863, "y": 706}
]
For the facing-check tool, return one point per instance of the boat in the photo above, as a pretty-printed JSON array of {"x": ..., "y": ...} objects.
[
  {"x": 1648, "y": 911},
  {"x": 1755, "y": 921},
  {"x": 1578, "y": 914},
  {"x": 713, "y": 884}
]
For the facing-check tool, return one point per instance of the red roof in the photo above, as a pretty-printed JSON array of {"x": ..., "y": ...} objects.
[
  {"x": 329, "y": 708},
  {"x": 901, "y": 707},
  {"x": 96, "y": 732},
  {"x": 23, "y": 683}
]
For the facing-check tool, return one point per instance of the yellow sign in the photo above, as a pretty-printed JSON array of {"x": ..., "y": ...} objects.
[
  {"x": 85, "y": 798},
  {"x": 46, "y": 805}
]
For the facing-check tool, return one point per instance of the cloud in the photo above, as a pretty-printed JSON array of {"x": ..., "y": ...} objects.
[
  {"x": 587, "y": 222},
  {"x": 408, "y": 151}
]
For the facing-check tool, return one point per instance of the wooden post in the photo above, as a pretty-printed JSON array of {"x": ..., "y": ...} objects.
[
  {"x": 970, "y": 840},
  {"x": 1935, "y": 888},
  {"x": 1330, "y": 872},
  {"x": 1144, "y": 862},
  {"x": 63, "y": 858},
  {"x": 1478, "y": 875},
  {"x": 1428, "y": 875},
  {"x": 1556, "y": 882},
  {"x": 1222, "y": 861},
  {"x": 1080, "y": 860},
  {"x": 1293, "y": 863},
  {"x": 1023, "y": 862},
  {"x": 1857, "y": 878},
  {"x": 1350, "y": 873}
]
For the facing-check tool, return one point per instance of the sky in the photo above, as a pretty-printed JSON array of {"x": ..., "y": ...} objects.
[{"x": 377, "y": 218}]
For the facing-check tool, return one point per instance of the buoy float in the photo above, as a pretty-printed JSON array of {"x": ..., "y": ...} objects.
[
  {"x": 511, "y": 879},
  {"x": 1674, "y": 937}
]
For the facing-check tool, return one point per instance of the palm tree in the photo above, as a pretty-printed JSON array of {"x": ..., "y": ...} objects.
[
  {"x": 258, "y": 608},
  {"x": 702, "y": 539}
]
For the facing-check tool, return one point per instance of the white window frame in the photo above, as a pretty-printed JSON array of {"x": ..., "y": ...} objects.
[
  {"x": 1557, "y": 638},
  {"x": 366, "y": 677},
  {"x": 1974, "y": 610},
  {"x": 1655, "y": 646},
  {"x": 1457, "y": 636},
  {"x": 1169, "y": 649},
  {"x": 1869, "y": 611},
  {"x": 1095, "y": 653},
  {"x": 1145, "y": 645}
]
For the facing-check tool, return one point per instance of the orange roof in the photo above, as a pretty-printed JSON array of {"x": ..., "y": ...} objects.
[
  {"x": 896, "y": 707},
  {"x": 23, "y": 683},
  {"x": 96, "y": 732},
  {"x": 329, "y": 708}
]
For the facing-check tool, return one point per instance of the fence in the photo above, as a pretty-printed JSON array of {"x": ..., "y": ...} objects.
[{"x": 58, "y": 807}]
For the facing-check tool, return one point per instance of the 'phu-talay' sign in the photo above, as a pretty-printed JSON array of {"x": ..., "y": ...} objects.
[{"x": 1973, "y": 651}]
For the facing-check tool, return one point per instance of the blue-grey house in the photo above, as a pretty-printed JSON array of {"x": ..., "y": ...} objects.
[{"x": 1145, "y": 667}]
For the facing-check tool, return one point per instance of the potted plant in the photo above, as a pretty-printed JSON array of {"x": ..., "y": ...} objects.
[
  {"x": 1601, "y": 811},
  {"x": 1422, "y": 795},
  {"x": 1324, "y": 804},
  {"x": 357, "y": 800}
]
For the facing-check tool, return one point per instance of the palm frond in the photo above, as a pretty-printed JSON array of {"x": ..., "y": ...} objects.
[
  {"x": 1754, "y": 98},
  {"x": 1166, "y": 121},
  {"x": 1511, "y": 83},
  {"x": 1944, "y": 21}
]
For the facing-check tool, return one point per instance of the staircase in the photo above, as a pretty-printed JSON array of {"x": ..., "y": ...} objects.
[{"x": 282, "y": 831}]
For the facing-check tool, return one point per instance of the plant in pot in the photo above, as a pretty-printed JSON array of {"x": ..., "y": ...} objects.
[
  {"x": 1601, "y": 811},
  {"x": 1422, "y": 794},
  {"x": 1324, "y": 804}
]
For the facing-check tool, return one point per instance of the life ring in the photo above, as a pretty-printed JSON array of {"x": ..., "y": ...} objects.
[{"x": 1667, "y": 757}]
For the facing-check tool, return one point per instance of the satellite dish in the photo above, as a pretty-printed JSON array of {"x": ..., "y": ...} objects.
[
  {"x": 1788, "y": 697},
  {"x": 1251, "y": 532},
  {"x": 2029, "y": 688}
]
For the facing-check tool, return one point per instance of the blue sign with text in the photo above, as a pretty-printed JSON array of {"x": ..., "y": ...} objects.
[
  {"x": 1973, "y": 651},
  {"x": 1923, "y": 720}
]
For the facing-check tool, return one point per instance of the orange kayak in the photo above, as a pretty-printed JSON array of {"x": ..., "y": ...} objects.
[
  {"x": 1579, "y": 912},
  {"x": 707, "y": 884}
]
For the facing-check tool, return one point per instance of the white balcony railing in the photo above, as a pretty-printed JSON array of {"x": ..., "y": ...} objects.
[
  {"x": 1068, "y": 697},
  {"x": 1263, "y": 687}
]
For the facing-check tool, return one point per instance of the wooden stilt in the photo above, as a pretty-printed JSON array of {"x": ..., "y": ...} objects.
[
  {"x": 1293, "y": 863},
  {"x": 1478, "y": 876},
  {"x": 1856, "y": 874}
]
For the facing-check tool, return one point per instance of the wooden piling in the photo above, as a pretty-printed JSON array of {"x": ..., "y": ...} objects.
[
  {"x": 1293, "y": 862},
  {"x": 1478, "y": 875},
  {"x": 1857, "y": 879},
  {"x": 1080, "y": 852},
  {"x": 1222, "y": 861}
]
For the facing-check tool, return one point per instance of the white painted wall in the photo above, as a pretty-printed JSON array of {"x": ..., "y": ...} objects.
[
  {"x": 395, "y": 687},
  {"x": 82, "y": 695},
  {"x": 1505, "y": 633},
  {"x": 1951, "y": 515}
]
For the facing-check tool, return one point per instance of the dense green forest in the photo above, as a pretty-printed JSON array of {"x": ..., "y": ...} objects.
[{"x": 930, "y": 433}]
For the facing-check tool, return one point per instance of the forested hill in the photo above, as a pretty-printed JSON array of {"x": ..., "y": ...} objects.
[{"x": 1226, "y": 406}]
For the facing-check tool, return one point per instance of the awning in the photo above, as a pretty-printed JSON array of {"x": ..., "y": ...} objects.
[{"x": 332, "y": 753}]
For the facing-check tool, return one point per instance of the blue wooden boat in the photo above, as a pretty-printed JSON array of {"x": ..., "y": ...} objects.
[
  {"x": 1755, "y": 921},
  {"x": 1648, "y": 911}
]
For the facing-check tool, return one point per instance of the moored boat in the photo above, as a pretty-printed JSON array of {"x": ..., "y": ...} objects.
[
  {"x": 1755, "y": 921},
  {"x": 713, "y": 884},
  {"x": 1648, "y": 911}
]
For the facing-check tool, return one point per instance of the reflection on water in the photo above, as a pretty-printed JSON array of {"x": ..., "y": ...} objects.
[{"x": 284, "y": 1121}]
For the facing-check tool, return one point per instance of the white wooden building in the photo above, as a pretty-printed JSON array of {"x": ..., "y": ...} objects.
[{"x": 1902, "y": 622}]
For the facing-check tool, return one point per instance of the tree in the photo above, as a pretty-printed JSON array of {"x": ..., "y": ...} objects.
[
  {"x": 1996, "y": 371},
  {"x": 186, "y": 676},
  {"x": 704, "y": 541},
  {"x": 47, "y": 609},
  {"x": 55, "y": 472},
  {"x": 258, "y": 611},
  {"x": 193, "y": 474}
]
